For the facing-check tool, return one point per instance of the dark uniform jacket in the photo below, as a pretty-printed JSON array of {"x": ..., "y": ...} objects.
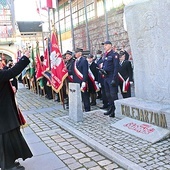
[
  {"x": 125, "y": 70},
  {"x": 93, "y": 68},
  {"x": 100, "y": 65},
  {"x": 70, "y": 65},
  {"x": 8, "y": 110},
  {"x": 111, "y": 65},
  {"x": 82, "y": 66}
]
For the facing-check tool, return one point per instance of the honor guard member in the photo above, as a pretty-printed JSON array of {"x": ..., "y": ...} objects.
[
  {"x": 93, "y": 84},
  {"x": 69, "y": 61},
  {"x": 80, "y": 75},
  {"x": 110, "y": 71},
  {"x": 125, "y": 75},
  {"x": 99, "y": 62}
]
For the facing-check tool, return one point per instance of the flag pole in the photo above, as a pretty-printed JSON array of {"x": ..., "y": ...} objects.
[
  {"x": 106, "y": 20},
  {"x": 62, "y": 97},
  {"x": 57, "y": 4},
  {"x": 61, "y": 90},
  {"x": 72, "y": 25},
  {"x": 87, "y": 27}
]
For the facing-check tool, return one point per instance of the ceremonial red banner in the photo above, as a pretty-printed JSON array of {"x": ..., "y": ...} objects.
[
  {"x": 58, "y": 68},
  {"x": 51, "y": 3},
  {"x": 39, "y": 74}
]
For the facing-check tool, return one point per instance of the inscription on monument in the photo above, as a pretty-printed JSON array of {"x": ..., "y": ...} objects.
[{"x": 158, "y": 119}]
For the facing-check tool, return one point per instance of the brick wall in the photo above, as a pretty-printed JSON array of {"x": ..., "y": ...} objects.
[{"x": 97, "y": 32}]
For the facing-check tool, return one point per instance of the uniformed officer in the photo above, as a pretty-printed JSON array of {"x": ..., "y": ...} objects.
[
  {"x": 93, "y": 84},
  {"x": 80, "y": 75},
  {"x": 99, "y": 62},
  {"x": 110, "y": 71}
]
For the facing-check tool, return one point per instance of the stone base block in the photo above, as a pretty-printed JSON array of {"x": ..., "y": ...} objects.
[
  {"x": 75, "y": 102},
  {"x": 150, "y": 112},
  {"x": 142, "y": 130}
]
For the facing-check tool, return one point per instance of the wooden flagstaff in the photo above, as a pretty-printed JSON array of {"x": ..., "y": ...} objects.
[{"x": 61, "y": 95}]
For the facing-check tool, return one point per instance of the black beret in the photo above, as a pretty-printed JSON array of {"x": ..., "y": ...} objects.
[
  {"x": 107, "y": 42},
  {"x": 90, "y": 56},
  {"x": 68, "y": 52},
  {"x": 78, "y": 50},
  {"x": 121, "y": 53},
  {"x": 99, "y": 52}
]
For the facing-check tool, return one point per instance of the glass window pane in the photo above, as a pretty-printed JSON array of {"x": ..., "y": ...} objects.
[
  {"x": 68, "y": 23},
  {"x": 62, "y": 25},
  {"x": 75, "y": 19},
  {"x": 67, "y": 10},
  {"x": 100, "y": 8}
]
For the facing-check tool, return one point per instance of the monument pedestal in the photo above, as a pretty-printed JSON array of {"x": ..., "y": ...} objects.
[
  {"x": 148, "y": 33},
  {"x": 151, "y": 112},
  {"x": 75, "y": 102}
]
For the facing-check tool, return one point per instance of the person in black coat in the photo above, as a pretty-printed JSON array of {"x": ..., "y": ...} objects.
[
  {"x": 125, "y": 74},
  {"x": 69, "y": 61},
  {"x": 80, "y": 75},
  {"x": 93, "y": 84},
  {"x": 14, "y": 80},
  {"x": 12, "y": 143}
]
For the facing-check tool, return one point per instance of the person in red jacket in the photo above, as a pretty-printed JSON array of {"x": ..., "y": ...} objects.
[{"x": 12, "y": 142}]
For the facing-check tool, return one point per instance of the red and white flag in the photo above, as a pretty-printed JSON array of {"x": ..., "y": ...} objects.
[
  {"x": 46, "y": 61},
  {"x": 51, "y": 3},
  {"x": 48, "y": 4},
  {"x": 39, "y": 68},
  {"x": 58, "y": 68},
  {"x": 46, "y": 64}
]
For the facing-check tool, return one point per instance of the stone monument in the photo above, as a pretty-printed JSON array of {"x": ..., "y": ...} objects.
[
  {"x": 75, "y": 102},
  {"x": 148, "y": 24}
]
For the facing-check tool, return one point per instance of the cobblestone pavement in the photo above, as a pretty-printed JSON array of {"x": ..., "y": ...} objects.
[
  {"x": 102, "y": 144},
  {"x": 75, "y": 154}
]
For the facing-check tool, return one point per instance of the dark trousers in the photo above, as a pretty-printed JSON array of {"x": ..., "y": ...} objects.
[
  {"x": 86, "y": 100},
  {"x": 111, "y": 92},
  {"x": 104, "y": 97},
  {"x": 48, "y": 89}
]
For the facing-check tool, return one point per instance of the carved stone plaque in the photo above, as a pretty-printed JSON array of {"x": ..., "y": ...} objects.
[{"x": 142, "y": 130}]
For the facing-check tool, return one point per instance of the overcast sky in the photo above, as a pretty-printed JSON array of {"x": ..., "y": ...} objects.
[{"x": 25, "y": 10}]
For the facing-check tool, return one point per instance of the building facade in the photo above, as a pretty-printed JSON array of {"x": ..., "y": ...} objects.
[
  {"x": 79, "y": 23},
  {"x": 87, "y": 23}
]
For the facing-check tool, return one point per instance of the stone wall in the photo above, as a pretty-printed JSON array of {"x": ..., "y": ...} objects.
[{"x": 97, "y": 32}]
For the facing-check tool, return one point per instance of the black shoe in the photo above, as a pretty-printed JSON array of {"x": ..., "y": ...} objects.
[
  {"x": 109, "y": 111},
  {"x": 104, "y": 107},
  {"x": 112, "y": 114},
  {"x": 48, "y": 97},
  {"x": 87, "y": 110},
  {"x": 93, "y": 104},
  {"x": 98, "y": 97}
]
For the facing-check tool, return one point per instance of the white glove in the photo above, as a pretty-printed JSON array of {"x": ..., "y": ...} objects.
[
  {"x": 83, "y": 84},
  {"x": 96, "y": 82},
  {"x": 131, "y": 82}
]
